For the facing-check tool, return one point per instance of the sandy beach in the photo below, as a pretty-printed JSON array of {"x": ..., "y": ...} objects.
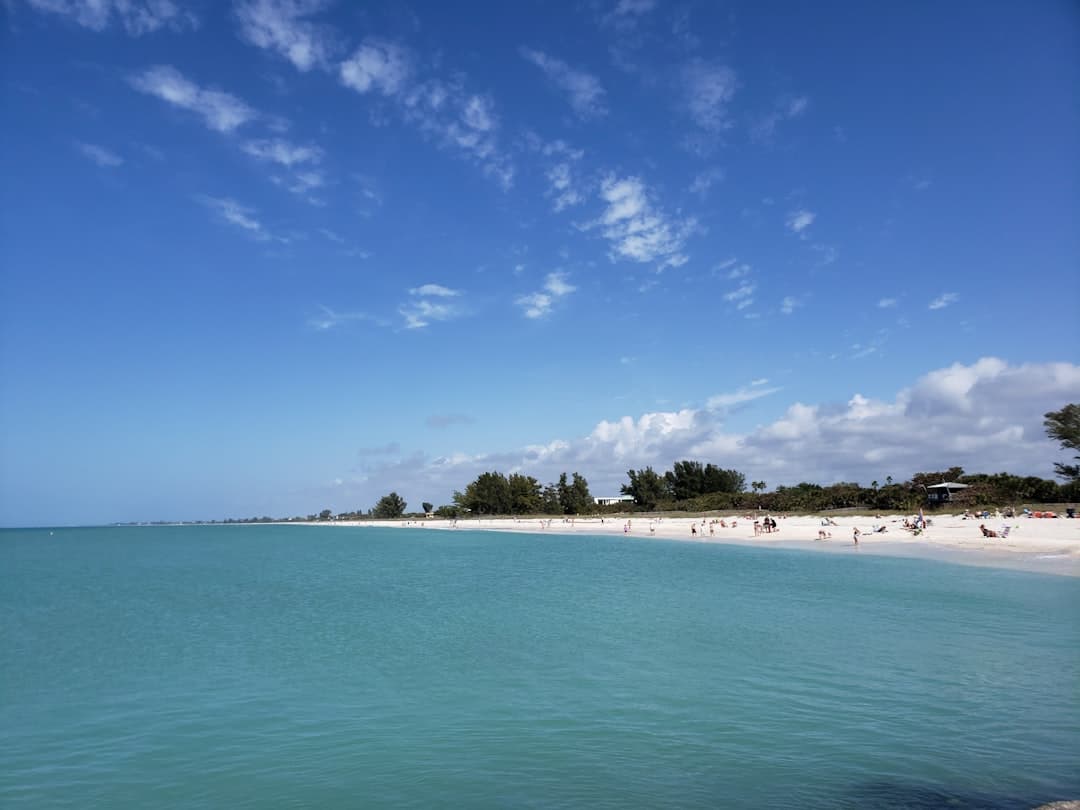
[{"x": 1032, "y": 544}]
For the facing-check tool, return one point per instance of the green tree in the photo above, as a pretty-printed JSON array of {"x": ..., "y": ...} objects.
[
  {"x": 686, "y": 480},
  {"x": 579, "y": 499},
  {"x": 427, "y": 507},
  {"x": 325, "y": 514},
  {"x": 718, "y": 480},
  {"x": 489, "y": 494},
  {"x": 646, "y": 487},
  {"x": 758, "y": 486},
  {"x": 549, "y": 500},
  {"x": 1064, "y": 426},
  {"x": 524, "y": 494},
  {"x": 389, "y": 507}
]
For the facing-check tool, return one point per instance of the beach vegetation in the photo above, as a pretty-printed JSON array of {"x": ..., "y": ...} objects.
[
  {"x": 493, "y": 493},
  {"x": 647, "y": 487},
  {"x": 1064, "y": 427},
  {"x": 389, "y": 507}
]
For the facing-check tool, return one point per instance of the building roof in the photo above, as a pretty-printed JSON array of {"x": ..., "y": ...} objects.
[{"x": 948, "y": 485}]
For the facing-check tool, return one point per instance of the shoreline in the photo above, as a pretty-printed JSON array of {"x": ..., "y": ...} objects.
[{"x": 1048, "y": 546}]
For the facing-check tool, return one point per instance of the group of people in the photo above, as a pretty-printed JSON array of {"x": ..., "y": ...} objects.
[{"x": 767, "y": 525}]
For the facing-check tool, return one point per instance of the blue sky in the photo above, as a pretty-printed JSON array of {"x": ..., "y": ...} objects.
[{"x": 274, "y": 256}]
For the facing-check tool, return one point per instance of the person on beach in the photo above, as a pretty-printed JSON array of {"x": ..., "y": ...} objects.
[
  {"x": 823, "y": 535},
  {"x": 855, "y": 535}
]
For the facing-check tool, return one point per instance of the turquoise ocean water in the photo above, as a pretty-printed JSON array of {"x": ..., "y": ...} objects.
[{"x": 262, "y": 666}]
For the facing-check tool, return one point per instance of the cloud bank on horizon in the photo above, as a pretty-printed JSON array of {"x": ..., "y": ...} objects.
[
  {"x": 243, "y": 239},
  {"x": 985, "y": 417}
]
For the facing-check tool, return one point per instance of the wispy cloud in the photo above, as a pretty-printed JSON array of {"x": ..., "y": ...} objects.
[
  {"x": 634, "y": 227},
  {"x": 789, "y": 304},
  {"x": 539, "y": 304},
  {"x": 377, "y": 66},
  {"x": 887, "y": 303},
  {"x": 625, "y": 14},
  {"x": 458, "y": 120},
  {"x": 136, "y": 17},
  {"x": 282, "y": 152},
  {"x": 583, "y": 90},
  {"x": 219, "y": 110},
  {"x": 708, "y": 88},
  {"x": 705, "y": 180},
  {"x": 328, "y": 318},
  {"x": 565, "y": 188},
  {"x": 239, "y": 216},
  {"x": 756, "y": 390},
  {"x": 436, "y": 290},
  {"x": 742, "y": 296},
  {"x": 944, "y": 300},
  {"x": 428, "y": 303},
  {"x": 280, "y": 25},
  {"x": 786, "y": 108},
  {"x": 798, "y": 221},
  {"x": 99, "y": 155}
]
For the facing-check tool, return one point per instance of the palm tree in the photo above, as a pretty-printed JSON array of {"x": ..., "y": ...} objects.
[{"x": 758, "y": 486}]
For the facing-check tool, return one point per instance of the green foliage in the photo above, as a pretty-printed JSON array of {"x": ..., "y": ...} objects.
[
  {"x": 389, "y": 507},
  {"x": 646, "y": 487},
  {"x": 489, "y": 494},
  {"x": 1064, "y": 426},
  {"x": 577, "y": 499},
  {"x": 427, "y": 507},
  {"x": 524, "y": 494},
  {"x": 325, "y": 514},
  {"x": 448, "y": 512}
]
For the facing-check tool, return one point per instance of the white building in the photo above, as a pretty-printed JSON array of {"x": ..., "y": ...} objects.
[{"x": 615, "y": 500}]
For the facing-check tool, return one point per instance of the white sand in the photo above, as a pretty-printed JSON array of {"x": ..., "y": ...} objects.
[{"x": 1034, "y": 544}]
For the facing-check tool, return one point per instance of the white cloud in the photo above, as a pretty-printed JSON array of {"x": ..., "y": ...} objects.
[
  {"x": 708, "y": 89},
  {"x": 377, "y": 65},
  {"x": 755, "y": 390},
  {"x": 539, "y": 304},
  {"x": 462, "y": 122},
  {"x": 944, "y": 300},
  {"x": 282, "y": 152},
  {"x": 986, "y": 417},
  {"x": 789, "y": 304},
  {"x": 100, "y": 155},
  {"x": 798, "y": 221},
  {"x": 887, "y": 303},
  {"x": 219, "y": 110},
  {"x": 436, "y": 290},
  {"x": 458, "y": 120},
  {"x": 239, "y": 216},
  {"x": 429, "y": 303},
  {"x": 635, "y": 229},
  {"x": 563, "y": 189},
  {"x": 585, "y": 93},
  {"x": 741, "y": 293},
  {"x": 279, "y": 25},
  {"x": 137, "y": 17},
  {"x": 705, "y": 181}
]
